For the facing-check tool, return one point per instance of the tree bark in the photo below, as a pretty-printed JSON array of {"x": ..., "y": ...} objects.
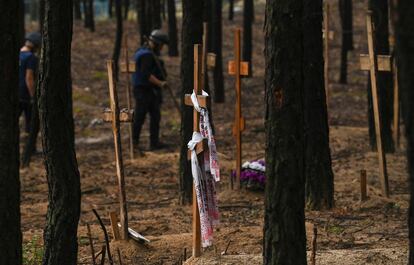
[
  {"x": 247, "y": 32},
  {"x": 10, "y": 233},
  {"x": 405, "y": 61},
  {"x": 284, "y": 227},
  {"x": 192, "y": 32},
  {"x": 385, "y": 79},
  {"x": 172, "y": 29},
  {"x": 91, "y": 15},
  {"x": 231, "y": 10},
  {"x": 155, "y": 14},
  {"x": 56, "y": 120},
  {"x": 22, "y": 24},
  {"x": 144, "y": 24},
  {"x": 110, "y": 6},
  {"x": 118, "y": 36},
  {"x": 217, "y": 34},
  {"x": 126, "y": 9},
  {"x": 319, "y": 176},
  {"x": 345, "y": 11},
  {"x": 77, "y": 10}
]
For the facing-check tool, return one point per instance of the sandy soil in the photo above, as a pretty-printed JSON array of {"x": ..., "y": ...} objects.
[{"x": 372, "y": 232}]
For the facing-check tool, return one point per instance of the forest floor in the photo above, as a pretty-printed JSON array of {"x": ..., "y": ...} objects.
[{"x": 370, "y": 232}]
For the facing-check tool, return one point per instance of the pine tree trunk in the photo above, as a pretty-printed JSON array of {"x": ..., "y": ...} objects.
[
  {"x": 126, "y": 9},
  {"x": 110, "y": 6},
  {"x": 217, "y": 34},
  {"x": 231, "y": 10},
  {"x": 192, "y": 31},
  {"x": 345, "y": 10},
  {"x": 247, "y": 32},
  {"x": 118, "y": 36},
  {"x": 284, "y": 227},
  {"x": 22, "y": 30},
  {"x": 77, "y": 10},
  {"x": 10, "y": 233},
  {"x": 91, "y": 16},
  {"x": 405, "y": 61},
  {"x": 155, "y": 14},
  {"x": 385, "y": 84},
  {"x": 56, "y": 122},
  {"x": 141, "y": 6},
  {"x": 172, "y": 29},
  {"x": 319, "y": 176}
]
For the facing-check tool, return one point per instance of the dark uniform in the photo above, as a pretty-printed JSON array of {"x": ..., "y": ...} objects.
[
  {"x": 148, "y": 97},
  {"x": 27, "y": 61}
]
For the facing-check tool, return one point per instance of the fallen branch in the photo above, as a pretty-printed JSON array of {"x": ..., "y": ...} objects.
[{"x": 106, "y": 237}]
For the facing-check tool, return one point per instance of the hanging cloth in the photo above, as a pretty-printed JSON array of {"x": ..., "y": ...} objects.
[{"x": 204, "y": 180}]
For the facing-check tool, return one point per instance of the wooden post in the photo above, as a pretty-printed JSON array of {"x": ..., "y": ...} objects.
[
  {"x": 326, "y": 51},
  {"x": 118, "y": 150},
  {"x": 238, "y": 69},
  {"x": 396, "y": 119},
  {"x": 363, "y": 184},
  {"x": 314, "y": 245},
  {"x": 114, "y": 225},
  {"x": 128, "y": 95},
  {"x": 377, "y": 117},
  {"x": 198, "y": 82}
]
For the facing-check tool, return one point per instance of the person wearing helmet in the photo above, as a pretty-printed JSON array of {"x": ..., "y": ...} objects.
[
  {"x": 148, "y": 82},
  {"x": 28, "y": 63}
]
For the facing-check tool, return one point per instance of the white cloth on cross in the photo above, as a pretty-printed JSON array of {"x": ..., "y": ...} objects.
[{"x": 204, "y": 180}]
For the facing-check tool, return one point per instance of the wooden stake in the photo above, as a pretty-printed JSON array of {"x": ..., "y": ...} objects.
[
  {"x": 377, "y": 117},
  {"x": 396, "y": 119},
  {"x": 128, "y": 96},
  {"x": 326, "y": 52},
  {"x": 238, "y": 69},
  {"x": 91, "y": 244},
  {"x": 314, "y": 245},
  {"x": 118, "y": 150},
  {"x": 363, "y": 184},
  {"x": 114, "y": 225}
]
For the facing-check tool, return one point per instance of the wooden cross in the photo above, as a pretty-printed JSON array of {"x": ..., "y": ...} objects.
[
  {"x": 115, "y": 117},
  {"x": 386, "y": 63},
  {"x": 327, "y": 36},
  {"x": 238, "y": 69},
  {"x": 374, "y": 64},
  {"x": 128, "y": 96},
  {"x": 201, "y": 147}
]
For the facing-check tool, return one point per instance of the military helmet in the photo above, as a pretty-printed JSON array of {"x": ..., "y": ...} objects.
[
  {"x": 159, "y": 37},
  {"x": 35, "y": 38}
]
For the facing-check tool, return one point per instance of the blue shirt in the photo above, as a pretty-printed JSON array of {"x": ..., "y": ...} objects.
[
  {"x": 145, "y": 66},
  {"x": 27, "y": 61}
]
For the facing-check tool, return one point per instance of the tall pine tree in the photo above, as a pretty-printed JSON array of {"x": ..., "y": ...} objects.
[
  {"x": 10, "y": 234},
  {"x": 192, "y": 33},
  {"x": 284, "y": 227},
  {"x": 56, "y": 122}
]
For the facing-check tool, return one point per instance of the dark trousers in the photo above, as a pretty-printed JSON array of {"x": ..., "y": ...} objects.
[
  {"x": 26, "y": 108},
  {"x": 147, "y": 100}
]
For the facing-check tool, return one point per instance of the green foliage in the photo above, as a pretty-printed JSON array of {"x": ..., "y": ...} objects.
[{"x": 33, "y": 252}]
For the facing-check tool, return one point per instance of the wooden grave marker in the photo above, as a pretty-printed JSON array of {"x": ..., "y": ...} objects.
[
  {"x": 201, "y": 147},
  {"x": 128, "y": 95},
  {"x": 114, "y": 117},
  {"x": 374, "y": 64},
  {"x": 238, "y": 69}
]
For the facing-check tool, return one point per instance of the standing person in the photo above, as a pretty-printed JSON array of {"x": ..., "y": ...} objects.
[
  {"x": 27, "y": 76},
  {"x": 148, "y": 82}
]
